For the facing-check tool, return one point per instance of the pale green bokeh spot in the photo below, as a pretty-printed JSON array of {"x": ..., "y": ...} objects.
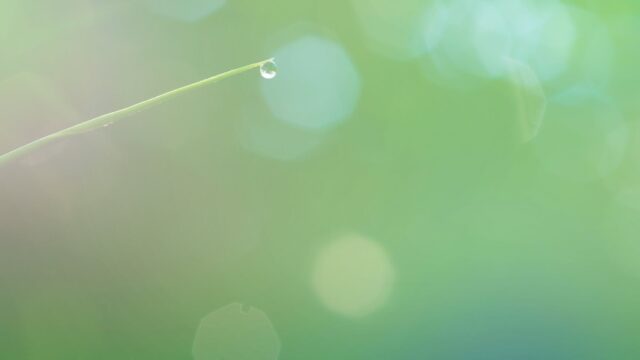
[
  {"x": 353, "y": 276},
  {"x": 235, "y": 332}
]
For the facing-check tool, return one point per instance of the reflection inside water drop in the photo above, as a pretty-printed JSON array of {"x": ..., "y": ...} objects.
[{"x": 268, "y": 69}]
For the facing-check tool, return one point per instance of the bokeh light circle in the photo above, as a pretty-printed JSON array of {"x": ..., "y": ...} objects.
[
  {"x": 353, "y": 276},
  {"x": 475, "y": 37},
  {"x": 185, "y": 10},
  {"x": 268, "y": 137},
  {"x": 392, "y": 28},
  {"x": 234, "y": 332},
  {"x": 317, "y": 86}
]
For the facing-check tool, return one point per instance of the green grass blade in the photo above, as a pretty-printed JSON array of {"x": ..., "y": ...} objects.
[{"x": 112, "y": 117}]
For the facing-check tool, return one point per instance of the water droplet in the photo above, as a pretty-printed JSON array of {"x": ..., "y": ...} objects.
[{"x": 269, "y": 70}]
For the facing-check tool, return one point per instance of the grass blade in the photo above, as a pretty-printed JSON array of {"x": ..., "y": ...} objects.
[{"x": 112, "y": 117}]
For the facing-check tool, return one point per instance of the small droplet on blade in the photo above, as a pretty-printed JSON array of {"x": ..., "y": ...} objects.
[{"x": 269, "y": 70}]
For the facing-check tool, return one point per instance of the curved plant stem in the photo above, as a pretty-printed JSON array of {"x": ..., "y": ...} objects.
[{"x": 110, "y": 118}]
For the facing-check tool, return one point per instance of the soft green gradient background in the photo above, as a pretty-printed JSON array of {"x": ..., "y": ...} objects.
[{"x": 115, "y": 244}]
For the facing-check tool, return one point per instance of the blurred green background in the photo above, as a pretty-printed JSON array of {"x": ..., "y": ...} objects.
[{"x": 422, "y": 180}]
